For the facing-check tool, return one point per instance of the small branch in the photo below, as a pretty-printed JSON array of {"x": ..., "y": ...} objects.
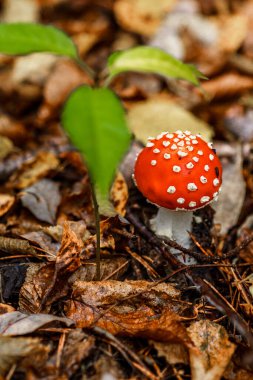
[
  {"x": 97, "y": 224},
  {"x": 86, "y": 68}
]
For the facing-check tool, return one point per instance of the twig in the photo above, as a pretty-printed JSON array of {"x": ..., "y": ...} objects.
[{"x": 97, "y": 222}]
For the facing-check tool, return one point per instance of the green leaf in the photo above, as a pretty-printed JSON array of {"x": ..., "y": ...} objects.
[
  {"x": 25, "y": 38},
  {"x": 95, "y": 122},
  {"x": 151, "y": 60}
]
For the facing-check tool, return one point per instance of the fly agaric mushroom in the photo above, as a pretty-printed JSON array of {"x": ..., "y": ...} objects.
[{"x": 180, "y": 173}]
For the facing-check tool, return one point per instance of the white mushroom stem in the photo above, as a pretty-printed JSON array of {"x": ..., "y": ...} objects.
[{"x": 175, "y": 225}]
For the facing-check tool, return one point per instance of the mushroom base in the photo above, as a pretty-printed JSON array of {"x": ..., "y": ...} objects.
[{"x": 175, "y": 226}]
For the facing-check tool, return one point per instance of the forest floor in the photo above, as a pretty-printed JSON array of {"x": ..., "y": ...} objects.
[{"x": 149, "y": 316}]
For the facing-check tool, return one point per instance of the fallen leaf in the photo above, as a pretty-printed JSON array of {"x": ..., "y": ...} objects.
[
  {"x": 42, "y": 200},
  {"x": 33, "y": 68},
  {"x": 6, "y": 147},
  {"x": 119, "y": 194},
  {"x": 105, "y": 304},
  {"x": 141, "y": 16},
  {"x": 35, "y": 169},
  {"x": 226, "y": 86},
  {"x": 16, "y": 323},
  {"x": 6, "y": 202},
  {"x": 233, "y": 186},
  {"x": 4, "y": 308},
  {"x": 150, "y": 118},
  {"x": 47, "y": 283},
  {"x": 214, "y": 350},
  {"x": 232, "y": 31},
  {"x": 174, "y": 353},
  {"x": 22, "y": 11},
  {"x": 22, "y": 352}
]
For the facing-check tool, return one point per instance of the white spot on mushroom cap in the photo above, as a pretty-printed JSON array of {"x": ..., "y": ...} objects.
[
  {"x": 176, "y": 140},
  {"x": 192, "y": 204},
  {"x": 200, "y": 152},
  {"x": 190, "y": 148},
  {"x": 170, "y": 135},
  {"x": 189, "y": 165},
  {"x": 156, "y": 150},
  {"x": 181, "y": 143},
  {"x": 204, "y": 199},
  {"x": 192, "y": 137},
  {"x": 171, "y": 189},
  {"x": 196, "y": 159},
  {"x": 161, "y": 135},
  {"x": 173, "y": 147},
  {"x": 194, "y": 142},
  {"x": 203, "y": 179},
  {"x": 180, "y": 200},
  {"x": 149, "y": 144},
  {"x": 206, "y": 168},
  {"x": 176, "y": 169},
  {"x": 166, "y": 156},
  {"x": 187, "y": 133},
  {"x": 182, "y": 154},
  {"x": 181, "y": 135},
  {"x": 216, "y": 182},
  {"x": 211, "y": 156},
  {"x": 210, "y": 145},
  {"x": 166, "y": 143},
  {"x": 153, "y": 162},
  {"x": 215, "y": 194},
  {"x": 192, "y": 187}
]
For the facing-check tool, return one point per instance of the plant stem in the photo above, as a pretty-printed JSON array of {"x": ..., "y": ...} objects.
[
  {"x": 86, "y": 68},
  {"x": 97, "y": 224}
]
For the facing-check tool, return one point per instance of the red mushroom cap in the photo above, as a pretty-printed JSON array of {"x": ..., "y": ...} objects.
[{"x": 178, "y": 171}]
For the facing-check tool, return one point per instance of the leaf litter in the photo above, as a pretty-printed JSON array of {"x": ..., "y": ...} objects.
[{"x": 148, "y": 317}]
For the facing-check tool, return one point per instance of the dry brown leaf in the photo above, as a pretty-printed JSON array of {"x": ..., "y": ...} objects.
[
  {"x": 119, "y": 194},
  {"x": 232, "y": 32},
  {"x": 34, "y": 170},
  {"x": 129, "y": 308},
  {"x": 214, "y": 350},
  {"x": 4, "y": 308},
  {"x": 154, "y": 116},
  {"x": 13, "y": 130},
  {"x": 6, "y": 202},
  {"x": 6, "y": 147},
  {"x": 142, "y": 16},
  {"x": 20, "y": 11},
  {"x": 65, "y": 77},
  {"x": 23, "y": 352},
  {"x": 227, "y": 85},
  {"x": 174, "y": 353}
]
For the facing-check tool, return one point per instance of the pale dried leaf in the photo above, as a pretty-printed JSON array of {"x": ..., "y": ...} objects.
[
  {"x": 213, "y": 353},
  {"x": 152, "y": 117},
  {"x": 33, "y": 68},
  {"x": 16, "y": 323},
  {"x": 20, "y": 11},
  {"x": 142, "y": 16},
  {"x": 231, "y": 198},
  {"x": 232, "y": 31},
  {"x": 42, "y": 200}
]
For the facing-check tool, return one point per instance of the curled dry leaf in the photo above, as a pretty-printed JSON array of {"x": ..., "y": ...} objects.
[
  {"x": 13, "y": 130},
  {"x": 4, "y": 308},
  {"x": 35, "y": 169},
  {"x": 20, "y": 11},
  {"x": 45, "y": 284},
  {"x": 213, "y": 352},
  {"x": 233, "y": 186},
  {"x": 141, "y": 16},
  {"x": 232, "y": 31},
  {"x": 129, "y": 308},
  {"x": 16, "y": 323},
  {"x": 23, "y": 352},
  {"x": 42, "y": 200},
  {"x": 150, "y": 118}
]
